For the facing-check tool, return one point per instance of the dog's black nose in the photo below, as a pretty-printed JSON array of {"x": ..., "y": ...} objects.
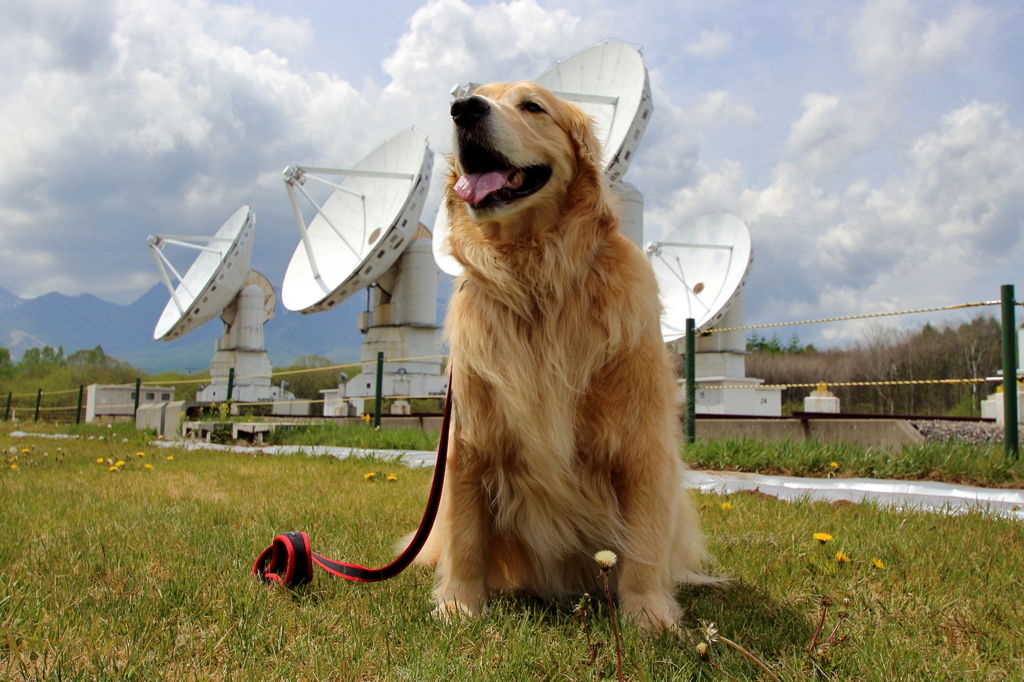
[{"x": 466, "y": 111}]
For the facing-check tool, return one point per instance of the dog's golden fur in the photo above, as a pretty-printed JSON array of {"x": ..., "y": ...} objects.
[{"x": 565, "y": 437}]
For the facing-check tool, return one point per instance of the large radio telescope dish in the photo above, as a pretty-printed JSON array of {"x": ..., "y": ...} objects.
[
  {"x": 362, "y": 228},
  {"x": 214, "y": 279},
  {"x": 609, "y": 83},
  {"x": 701, "y": 267}
]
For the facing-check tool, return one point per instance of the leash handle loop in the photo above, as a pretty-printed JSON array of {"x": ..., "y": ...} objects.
[{"x": 289, "y": 559}]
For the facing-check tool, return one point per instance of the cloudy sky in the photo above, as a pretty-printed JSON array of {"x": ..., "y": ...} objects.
[{"x": 874, "y": 148}]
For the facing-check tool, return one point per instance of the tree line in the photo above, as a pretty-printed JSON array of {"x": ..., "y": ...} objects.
[{"x": 969, "y": 350}]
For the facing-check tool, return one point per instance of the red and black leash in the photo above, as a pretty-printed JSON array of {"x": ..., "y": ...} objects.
[{"x": 289, "y": 560}]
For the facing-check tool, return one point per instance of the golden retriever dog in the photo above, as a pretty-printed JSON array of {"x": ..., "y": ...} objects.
[{"x": 565, "y": 432}]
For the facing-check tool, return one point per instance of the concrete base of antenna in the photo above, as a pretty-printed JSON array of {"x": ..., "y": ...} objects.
[
  {"x": 401, "y": 323},
  {"x": 723, "y": 386},
  {"x": 992, "y": 406},
  {"x": 822, "y": 400},
  {"x": 241, "y": 349}
]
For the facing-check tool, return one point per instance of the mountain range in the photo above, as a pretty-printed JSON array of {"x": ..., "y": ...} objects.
[{"x": 126, "y": 331}]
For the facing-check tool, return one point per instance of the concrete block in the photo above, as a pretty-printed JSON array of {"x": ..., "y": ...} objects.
[
  {"x": 150, "y": 416},
  {"x": 891, "y": 434},
  {"x": 172, "y": 419}
]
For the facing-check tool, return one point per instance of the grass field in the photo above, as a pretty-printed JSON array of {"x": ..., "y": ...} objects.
[
  {"x": 982, "y": 465},
  {"x": 143, "y": 574}
]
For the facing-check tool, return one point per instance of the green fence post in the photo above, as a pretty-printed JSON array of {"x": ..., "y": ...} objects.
[
  {"x": 138, "y": 390},
  {"x": 7, "y": 410},
  {"x": 78, "y": 412},
  {"x": 378, "y": 399},
  {"x": 1011, "y": 436},
  {"x": 39, "y": 399},
  {"x": 231, "y": 384},
  {"x": 691, "y": 381}
]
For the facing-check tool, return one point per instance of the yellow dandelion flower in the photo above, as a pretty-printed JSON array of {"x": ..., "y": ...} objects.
[
  {"x": 726, "y": 506},
  {"x": 392, "y": 478},
  {"x": 605, "y": 558},
  {"x": 24, "y": 451},
  {"x": 170, "y": 458},
  {"x": 14, "y": 467},
  {"x": 113, "y": 469},
  {"x": 370, "y": 476},
  {"x": 834, "y": 465},
  {"x": 148, "y": 466},
  {"x": 878, "y": 563},
  {"x": 842, "y": 557},
  {"x": 119, "y": 463},
  {"x": 99, "y": 460},
  {"x": 823, "y": 537},
  {"x": 140, "y": 454}
]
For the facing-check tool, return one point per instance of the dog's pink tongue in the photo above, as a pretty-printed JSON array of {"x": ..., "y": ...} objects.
[{"x": 473, "y": 187}]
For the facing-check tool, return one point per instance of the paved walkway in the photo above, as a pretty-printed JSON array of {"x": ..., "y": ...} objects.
[{"x": 930, "y": 495}]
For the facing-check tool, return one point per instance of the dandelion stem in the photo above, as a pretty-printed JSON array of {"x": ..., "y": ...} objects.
[
  {"x": 754, "y": 659},
  {"x": 825, "y": 601},
  {"x": 828, "y": 640},
  {"x": 615, "y": 627}
]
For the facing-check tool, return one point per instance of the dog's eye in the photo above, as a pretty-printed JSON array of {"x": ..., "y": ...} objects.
[{"x": 532, "y": 107}]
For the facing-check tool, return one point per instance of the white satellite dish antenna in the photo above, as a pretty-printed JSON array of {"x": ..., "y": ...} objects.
[
  {"x": 214, "y": 278},
  {"x": 367, "y": 234},
  {"x": 220, "y": 282},
  {"x": 609, "y": 83},
  {"x": 701, "y": 268}
]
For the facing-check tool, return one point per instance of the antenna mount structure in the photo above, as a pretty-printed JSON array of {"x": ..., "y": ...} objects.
[
  {"x": 220, "y": 282},
  {"x": 367, "y": 235}
]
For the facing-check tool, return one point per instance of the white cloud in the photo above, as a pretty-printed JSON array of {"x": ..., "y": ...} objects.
[
  {"x": 710, "y": 45},
  {"x": 450, "y": 42},
  {"x": 890, "y": 38},
  {"x": 833, "y": 131},
  {"x": 719, "y": 107},
  {"x": 960, "y": 202}
]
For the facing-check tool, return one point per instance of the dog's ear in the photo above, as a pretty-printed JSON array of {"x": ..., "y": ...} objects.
[{"x": 581, "y": 131}]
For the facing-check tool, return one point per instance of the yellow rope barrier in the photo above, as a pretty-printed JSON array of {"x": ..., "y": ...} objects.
[
  {"x": 844, "y": 318},
  {"x": 909, "y": 382}
]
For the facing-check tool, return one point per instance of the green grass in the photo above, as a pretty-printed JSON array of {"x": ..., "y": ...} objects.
[
  {"x": 143, "y": 574},
  {"x": 355, "y": 436},
  {"x": 982, "y": 465}
]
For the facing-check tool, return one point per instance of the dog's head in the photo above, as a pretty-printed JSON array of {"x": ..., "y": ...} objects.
[{"x": 517, "y": 147}]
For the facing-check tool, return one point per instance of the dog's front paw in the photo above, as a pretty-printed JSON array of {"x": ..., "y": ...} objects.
[
  {"x": 651, "y": 612},
  {"x": 448, "y": 610}
]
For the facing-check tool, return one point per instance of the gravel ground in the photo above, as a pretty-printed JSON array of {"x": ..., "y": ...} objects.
[{"x": 972, "y": 433}]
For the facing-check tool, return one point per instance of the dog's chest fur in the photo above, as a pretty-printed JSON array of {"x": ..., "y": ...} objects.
[{"x": 521, "y": 382}]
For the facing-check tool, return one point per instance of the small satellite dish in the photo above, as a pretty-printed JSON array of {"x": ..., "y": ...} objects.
[
  {"x": 701, "y": 268},
  {"x": 221, "y": 283},
  {"x": 362, "y": 228},
  {"x": 214, "y": 279},
  {"x": 609, "y": 83}
]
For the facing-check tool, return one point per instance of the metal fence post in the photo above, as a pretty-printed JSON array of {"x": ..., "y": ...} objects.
[
  {"x": 39, "y": 399},
  {"x": 78, "y": 412},
  {"x": 138, "y": 390},
  {"x": 378, "y": 399},
  {"x": 691, "y": 381},
  {"x": 1011, "y": 435},
  {"x": 7, "y": 410}
]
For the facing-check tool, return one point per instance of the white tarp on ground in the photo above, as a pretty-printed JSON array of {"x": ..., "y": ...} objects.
[{"x": 903, "y": 494}]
